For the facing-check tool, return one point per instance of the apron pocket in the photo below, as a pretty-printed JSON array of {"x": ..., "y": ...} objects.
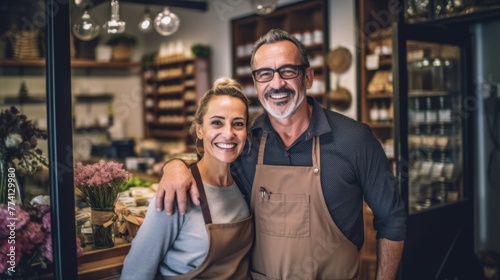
[{"x": 284, "y": 215}]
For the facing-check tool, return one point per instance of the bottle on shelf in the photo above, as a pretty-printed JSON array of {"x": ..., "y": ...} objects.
[
  {"x": 430, "y": 112},
  {"x": 110, "y": 114},
  {"x": 383, "y": 113},
  {"x": 443, "y": 137},
  {"x": 444, "y": 109},
  {"x": 424, "y": 183},
  {"x": 418, "y": 111},
  {"x": 429, "y": 138},
  {"x": 440, "y": 183},
  {"x": 438, "y": 74},
  {"x": 375, "y": 112}
]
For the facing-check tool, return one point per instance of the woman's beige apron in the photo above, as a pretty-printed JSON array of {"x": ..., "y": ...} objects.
[
  {"x": 296, "y": 237},
  {"x": 229, "y": 244}
]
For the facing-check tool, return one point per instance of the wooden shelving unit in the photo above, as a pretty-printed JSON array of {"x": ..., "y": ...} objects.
[
  {"x": 76, "y": 63},
  {"x": 172, "y": 88},
  {"x": 306, "y": 17},
  {"x": 374, "y": 42}
]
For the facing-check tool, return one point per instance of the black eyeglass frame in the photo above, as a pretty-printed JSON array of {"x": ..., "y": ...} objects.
[{"x": 299, "y": 68}]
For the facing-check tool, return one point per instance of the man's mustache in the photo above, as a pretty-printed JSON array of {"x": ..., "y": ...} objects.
[{"x": 281, "y": 90}]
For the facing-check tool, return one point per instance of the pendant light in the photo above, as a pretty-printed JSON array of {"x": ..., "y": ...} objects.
[
  {"x": 166, "y": 23},
  {"x": 115, "y": 25},
  {"x": 264, "y": 7},
  {"x": 85, "y": 28},
  {"x": 146, "y": 24}
]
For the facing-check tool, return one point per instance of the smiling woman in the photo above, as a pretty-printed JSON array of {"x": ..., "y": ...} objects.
[{"x": 218, "y": 234}]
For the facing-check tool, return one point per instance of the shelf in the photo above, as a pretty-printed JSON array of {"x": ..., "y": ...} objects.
[
  {"x": 75, "y": 63},
  {"x": 427, "y": 93},
  {"x": 169, "y": 109},
  {"x": 386, "y": 125},
  {"x": 295, "y": 18},
  {"x": 89, "y": 128},
  {"x": 416, "y": 124},
  {"x": 380, "y": 95},
  {"x": 168, "y": 133},
  {"x": 103, "y": 97},
  {"x": 468, "y": 17},
  {"x": 20, "y": 100},
  {"x": 170, "y": 61}
]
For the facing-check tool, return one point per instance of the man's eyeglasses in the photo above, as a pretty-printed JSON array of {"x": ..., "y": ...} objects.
[{"x": 286, "y": 72}]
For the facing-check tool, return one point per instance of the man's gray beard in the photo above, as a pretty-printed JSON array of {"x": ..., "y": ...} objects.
[{"x": 288, "y": 112}]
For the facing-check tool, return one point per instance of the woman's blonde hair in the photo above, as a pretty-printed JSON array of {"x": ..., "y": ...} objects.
[{"x": 221, "y": 87}]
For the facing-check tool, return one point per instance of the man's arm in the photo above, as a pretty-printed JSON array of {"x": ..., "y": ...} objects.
[
  {"x": 175, "y": 182},
  {"x": 388, "y": 257}
]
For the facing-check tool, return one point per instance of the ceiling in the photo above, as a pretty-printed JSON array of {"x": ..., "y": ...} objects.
[{"x": 200, "y": 5}]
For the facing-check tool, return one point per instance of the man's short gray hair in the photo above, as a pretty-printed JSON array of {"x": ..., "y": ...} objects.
[{"x": 278, "y": 35}]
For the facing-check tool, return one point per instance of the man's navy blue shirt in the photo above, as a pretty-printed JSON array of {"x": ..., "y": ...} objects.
[{"x": 353, "y": 166}]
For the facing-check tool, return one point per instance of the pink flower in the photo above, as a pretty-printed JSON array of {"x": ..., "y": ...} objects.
[
  {"x": 32, "y": 234},
  {"x": 47, "y": 248},
  {"x": 100, "y": 183}
]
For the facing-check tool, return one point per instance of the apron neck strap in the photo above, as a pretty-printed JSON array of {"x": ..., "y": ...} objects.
[
  {"x": 315, "y": 149},
  {"x": 260, "y": 159},
  {"x": 203, "y": 197}
]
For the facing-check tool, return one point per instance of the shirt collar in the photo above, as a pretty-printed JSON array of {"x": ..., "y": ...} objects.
[{"x": 318, "y": 126}]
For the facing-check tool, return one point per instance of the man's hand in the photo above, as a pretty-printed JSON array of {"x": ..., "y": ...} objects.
[{"x": 176, "y": 181}]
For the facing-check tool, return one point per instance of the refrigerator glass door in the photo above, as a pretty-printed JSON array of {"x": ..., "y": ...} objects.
[
  {"x": 434, "y": 103},
  {"x": 434, "y": 125}
]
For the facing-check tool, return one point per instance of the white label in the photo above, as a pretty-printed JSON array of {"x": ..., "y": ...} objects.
[
  {"x": 444, "y": 115},
  {"x": 431, "y": 116},
  {"x": 419, "y": 116}
]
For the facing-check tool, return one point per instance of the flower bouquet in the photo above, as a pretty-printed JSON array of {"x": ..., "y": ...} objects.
[
  {"x": 25, "y": 238},
  {"x": 18, "y": 148},
  {"x": 99, "y": 185}
]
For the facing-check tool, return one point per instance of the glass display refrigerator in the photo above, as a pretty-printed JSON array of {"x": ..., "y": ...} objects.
[{"x": 433, "y": 150}]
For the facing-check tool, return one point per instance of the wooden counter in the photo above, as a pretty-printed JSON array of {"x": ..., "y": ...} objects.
[{"x": 102, "y": 264}]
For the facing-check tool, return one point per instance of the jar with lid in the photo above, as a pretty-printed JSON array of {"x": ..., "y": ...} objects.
[
  {"x": 317, "y": 36},
  {"x": 307, "y": 38}
]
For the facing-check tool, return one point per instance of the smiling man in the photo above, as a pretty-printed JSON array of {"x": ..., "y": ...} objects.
[{"x": 306, "y": 174}]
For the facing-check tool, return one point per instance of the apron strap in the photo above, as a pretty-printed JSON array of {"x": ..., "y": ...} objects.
[
  {"x": 263, "y": 138},
  {"x": 316, "y": 154},
  {"x": 203, "y": 197}
]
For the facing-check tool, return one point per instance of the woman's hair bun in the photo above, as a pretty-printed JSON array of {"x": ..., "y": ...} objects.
[{"x": 226, "y": 83}]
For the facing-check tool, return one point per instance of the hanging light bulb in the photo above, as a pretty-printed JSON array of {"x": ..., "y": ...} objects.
[
  {"x": 146, "y": 24},
  {"x": 85, "y": 28},
  {"x": 166, "y": 22},
  {"x": 115, "y": 25},
  {"x": 264, "y": 7}
]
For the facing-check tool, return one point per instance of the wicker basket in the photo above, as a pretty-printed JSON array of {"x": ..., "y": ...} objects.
[{"x": 26, "y": 45}]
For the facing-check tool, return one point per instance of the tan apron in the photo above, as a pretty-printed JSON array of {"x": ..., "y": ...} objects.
[
  {"x": 229, "y": 244},
  {"x": 295, "y": 236}
]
